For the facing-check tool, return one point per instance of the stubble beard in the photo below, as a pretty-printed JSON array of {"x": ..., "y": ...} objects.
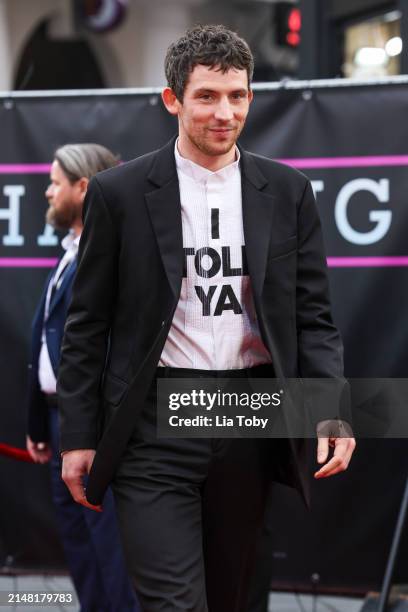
[
  {"x": 214, "y": 151},
  {"x": 220, "y": 148},
  {"x": 201, "y": 142}
]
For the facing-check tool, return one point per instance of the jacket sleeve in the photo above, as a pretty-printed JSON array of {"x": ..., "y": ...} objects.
[
  {"x": 85, "y": 343},
  {"x": 37, "y": 422},
  {"x": 320, "y": 349}
]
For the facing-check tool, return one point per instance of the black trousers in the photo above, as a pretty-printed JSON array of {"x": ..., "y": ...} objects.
[{"x": 189, "y": 512}]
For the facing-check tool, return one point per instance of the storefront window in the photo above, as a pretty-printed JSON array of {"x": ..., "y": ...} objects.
[{"x": 373, "y": 48}]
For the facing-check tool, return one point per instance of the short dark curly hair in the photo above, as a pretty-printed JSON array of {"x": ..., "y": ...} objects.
[{"x": 209, "y": 45}]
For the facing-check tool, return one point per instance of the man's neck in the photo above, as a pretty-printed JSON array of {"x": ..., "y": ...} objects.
[{"x": 211, "y": 162}]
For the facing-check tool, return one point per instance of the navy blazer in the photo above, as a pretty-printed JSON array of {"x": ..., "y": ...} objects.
[{"x": 54, "y": 331}]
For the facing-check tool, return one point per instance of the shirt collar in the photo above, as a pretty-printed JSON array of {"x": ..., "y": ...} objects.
[
  {"x": 199, "y": 173},
  {"x": 70, "y": 242}
]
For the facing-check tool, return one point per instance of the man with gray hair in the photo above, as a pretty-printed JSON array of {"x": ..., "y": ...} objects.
[{"x": 90, "y": 540}]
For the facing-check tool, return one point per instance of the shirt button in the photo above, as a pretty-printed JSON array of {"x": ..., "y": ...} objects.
[{"x": 162, "y": 323}]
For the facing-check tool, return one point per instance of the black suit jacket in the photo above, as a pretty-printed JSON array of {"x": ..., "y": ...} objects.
[{"x": 128, "y": 281}]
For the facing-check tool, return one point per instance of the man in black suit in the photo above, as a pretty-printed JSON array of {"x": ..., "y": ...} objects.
[
  {"x": 90, "y": 540},
  {"x": 197, "y": 260}
]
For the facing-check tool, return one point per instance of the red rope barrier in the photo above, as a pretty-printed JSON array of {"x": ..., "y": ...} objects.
[{"x": 15, "y": 453}]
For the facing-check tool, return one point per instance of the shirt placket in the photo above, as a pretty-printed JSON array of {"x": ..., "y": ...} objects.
[{"x": 214, "y": 201}]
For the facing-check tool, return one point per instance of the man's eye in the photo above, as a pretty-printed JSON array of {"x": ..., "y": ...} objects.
[
  {"x": 205, "y": 97},
  {"x": 238, "y": 95}
]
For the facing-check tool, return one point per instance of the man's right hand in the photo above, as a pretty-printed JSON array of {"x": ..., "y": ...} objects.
[
  {"x": 75, "y": 465},
  {"x": 40, "y": 452}
]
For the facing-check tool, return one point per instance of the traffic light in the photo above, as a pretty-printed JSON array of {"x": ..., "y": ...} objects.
[{"x": 288, "y": 22}]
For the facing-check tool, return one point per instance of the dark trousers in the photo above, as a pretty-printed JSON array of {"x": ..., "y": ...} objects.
[
  {"x": 91, "y": 544},
  {"x": 189, "y": 513}
]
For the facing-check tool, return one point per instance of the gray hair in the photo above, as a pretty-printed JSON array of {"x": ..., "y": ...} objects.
[{"x": 84, "y": 160}]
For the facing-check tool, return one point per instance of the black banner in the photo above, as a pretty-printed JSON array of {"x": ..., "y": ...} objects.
[{"x": 352, "y": 144}]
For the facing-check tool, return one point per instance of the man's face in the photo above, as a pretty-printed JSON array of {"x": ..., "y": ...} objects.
[
  {"x": 214, "y": 109},
  {"x": 64, "y": 199}
]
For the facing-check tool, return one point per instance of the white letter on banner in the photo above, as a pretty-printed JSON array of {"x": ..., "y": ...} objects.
[
  {"x": 48, "y": 237},
  {"x": 12, "y": 215},
  {"x": 381, "y": 217},
  {"x": 317, "y": 186}
]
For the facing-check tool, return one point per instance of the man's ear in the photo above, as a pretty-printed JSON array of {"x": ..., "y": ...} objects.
[
  {"x": 170, "y": 101},
  {"x": 250, "y": 95},
  {"x": 82, "y": 184}
]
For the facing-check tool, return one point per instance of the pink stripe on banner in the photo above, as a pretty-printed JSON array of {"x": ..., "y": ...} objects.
[
  {"x": 367, "y": 262},
  {"x": 347, "y": 162},
  {"x": 27, "y": 262},
  {"x": 333, "y": 262},
  {"x": 25, "y": 168},
  {"x": 303, "y": 162}
]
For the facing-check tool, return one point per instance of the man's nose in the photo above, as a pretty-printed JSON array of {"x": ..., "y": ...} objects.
[
  {"x": 224, "y": 111},
  {"x": 48, "y": 192}
]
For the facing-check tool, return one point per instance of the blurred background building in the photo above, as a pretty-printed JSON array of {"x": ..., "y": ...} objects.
[{"x": 65, "y": 44}]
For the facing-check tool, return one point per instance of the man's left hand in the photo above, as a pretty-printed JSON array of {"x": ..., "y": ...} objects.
[{"x": 343, "y": 450}]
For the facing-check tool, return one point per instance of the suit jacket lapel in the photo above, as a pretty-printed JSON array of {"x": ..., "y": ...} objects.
[
  {"x": 257, "y": 212},
  {"x": 165, "y": 213},
  {"x": 58, "y": 293}
]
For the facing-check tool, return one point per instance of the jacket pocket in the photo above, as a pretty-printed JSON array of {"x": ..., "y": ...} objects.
[
  {"x": 279, "y": 249},
  {"x": 114, "y": 389}
]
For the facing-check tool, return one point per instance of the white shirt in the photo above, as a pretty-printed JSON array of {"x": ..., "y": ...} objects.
[
  {"x": 214, "y": 326},
  {"x": 46, "y": 375}
]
